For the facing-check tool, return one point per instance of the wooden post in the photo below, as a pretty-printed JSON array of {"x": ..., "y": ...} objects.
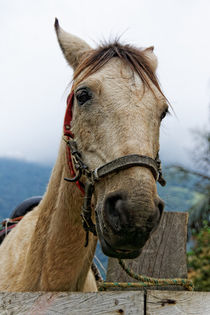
[{"x": 164, "y": 255}]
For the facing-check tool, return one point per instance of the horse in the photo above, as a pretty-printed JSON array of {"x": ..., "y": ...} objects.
[{"x": 109, "y": 148}]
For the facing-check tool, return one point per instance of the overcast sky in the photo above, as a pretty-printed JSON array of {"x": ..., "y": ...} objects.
[{"x": 34, "y": 74}]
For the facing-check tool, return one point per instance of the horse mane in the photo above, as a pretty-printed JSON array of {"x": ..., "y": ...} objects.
[{"x": 135, "y": 58}]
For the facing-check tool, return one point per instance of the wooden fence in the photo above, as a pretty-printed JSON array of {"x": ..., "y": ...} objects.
[
  {"x": 153, "y": 302},
  {"x": 164, "y": 256}
]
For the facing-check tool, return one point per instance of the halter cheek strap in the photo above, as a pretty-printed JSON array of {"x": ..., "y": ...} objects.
[
  {"x": 68, "y": 116},
  {"x": 69, "y": 135}
]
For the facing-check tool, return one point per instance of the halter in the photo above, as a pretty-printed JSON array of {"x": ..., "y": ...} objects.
[{"x": 76, "y": 163}]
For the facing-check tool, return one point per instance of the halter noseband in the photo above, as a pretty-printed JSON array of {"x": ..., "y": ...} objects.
[{"x": 75, "y": 161}]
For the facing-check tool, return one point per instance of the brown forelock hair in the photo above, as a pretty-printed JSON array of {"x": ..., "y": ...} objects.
[{"x": 135, "y": 58}]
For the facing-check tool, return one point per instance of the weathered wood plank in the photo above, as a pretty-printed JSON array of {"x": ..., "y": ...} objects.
[
  {"x": 164, "y": 255},
  {"x": 174, "y": 303},
  {"x": 40, "y": 303},
  {"x": 127, "y": 302}
]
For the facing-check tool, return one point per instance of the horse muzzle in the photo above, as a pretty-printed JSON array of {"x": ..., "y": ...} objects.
[{"x": 124, "y": 226}]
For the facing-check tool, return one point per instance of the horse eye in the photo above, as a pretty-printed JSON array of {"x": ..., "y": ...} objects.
[{"x": 83, "y": 95}]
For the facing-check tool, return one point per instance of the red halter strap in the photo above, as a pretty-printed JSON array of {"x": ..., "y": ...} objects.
[
  {"x": 67, "y": 132},
  {"x": 68, "y": 116}
]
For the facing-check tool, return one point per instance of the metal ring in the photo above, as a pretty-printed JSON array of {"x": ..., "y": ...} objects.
[{"x": 95, "y": 174}]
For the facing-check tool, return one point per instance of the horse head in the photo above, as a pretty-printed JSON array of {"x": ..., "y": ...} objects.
[{"x": 117, "y": 111}]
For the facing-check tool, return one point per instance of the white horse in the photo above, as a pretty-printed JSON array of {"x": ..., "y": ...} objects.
[{"x": 113, "y": 116}]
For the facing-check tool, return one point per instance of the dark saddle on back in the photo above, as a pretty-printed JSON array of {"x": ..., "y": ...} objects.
[{"x": 26, "y": 206}]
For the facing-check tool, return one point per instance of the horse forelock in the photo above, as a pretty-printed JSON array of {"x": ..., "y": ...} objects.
[{"x": 135, "y": 58}]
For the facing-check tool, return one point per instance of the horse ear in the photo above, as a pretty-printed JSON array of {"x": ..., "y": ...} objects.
[
  {"x": 149, "y": 53},
  {"x": 72, "y": 47}
]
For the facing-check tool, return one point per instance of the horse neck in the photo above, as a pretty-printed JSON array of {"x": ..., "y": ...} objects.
[
  {"x": 64, "y": 260},
  {"x": 62, "y": 197}
]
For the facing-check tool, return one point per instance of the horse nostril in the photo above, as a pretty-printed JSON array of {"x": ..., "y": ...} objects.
[{"x": 114, "y": 210}]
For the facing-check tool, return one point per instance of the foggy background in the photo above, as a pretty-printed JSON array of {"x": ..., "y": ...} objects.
[{"x": 34, "y": 75}]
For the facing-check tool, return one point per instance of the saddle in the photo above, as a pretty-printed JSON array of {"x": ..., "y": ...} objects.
[{"x": 17, "y": 214}]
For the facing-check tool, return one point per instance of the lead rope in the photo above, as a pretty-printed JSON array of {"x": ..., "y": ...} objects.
[{"x": 144, "y": 281}]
